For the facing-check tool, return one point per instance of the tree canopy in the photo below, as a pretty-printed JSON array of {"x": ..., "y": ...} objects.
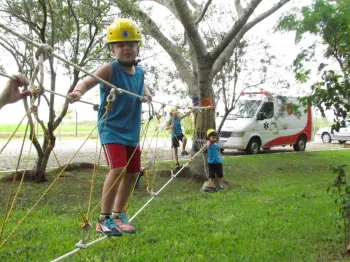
[{"x": 330, "y": 22}]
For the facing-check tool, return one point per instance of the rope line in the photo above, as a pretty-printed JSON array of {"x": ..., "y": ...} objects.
[
  {"x": 7, "y": 211},
  {"x": 135, "y": 215},
  {"x": 43, "y": 52},
  {"x": 47, "y": 190},
  {"x": 49, "y": 50}
]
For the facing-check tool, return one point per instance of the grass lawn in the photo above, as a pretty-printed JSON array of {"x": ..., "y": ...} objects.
[{"x": 275, "y": 208}]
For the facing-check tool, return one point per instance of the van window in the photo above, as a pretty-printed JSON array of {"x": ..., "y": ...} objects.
[
  {"x": 267, "y": 109},
  {"x": 345, "y": 123},
  {"x": 244, "y": 109}
]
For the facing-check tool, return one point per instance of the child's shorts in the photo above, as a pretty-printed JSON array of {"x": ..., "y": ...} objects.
[
  {"x": 118, "y": 155},
  {"x": 215, "y": 170},
  {"x": 175, "y": 140}
]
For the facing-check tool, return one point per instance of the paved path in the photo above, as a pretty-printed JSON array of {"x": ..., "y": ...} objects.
[{"x": 65, "y": 150}]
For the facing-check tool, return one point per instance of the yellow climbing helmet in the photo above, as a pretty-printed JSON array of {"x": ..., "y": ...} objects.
[
  {"x": 123, "y": 30},
  {"x": 210, "y": 131},
  {"x": 172, "y": 109}
]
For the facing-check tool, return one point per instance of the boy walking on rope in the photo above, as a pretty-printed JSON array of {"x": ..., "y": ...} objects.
[
  {"x": 216, "y": 176},
  {"x": 119, "y": 127},
  {"x": 174, "y": 124}
]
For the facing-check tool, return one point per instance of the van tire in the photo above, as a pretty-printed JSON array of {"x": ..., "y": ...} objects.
[
  {"x": 300, "y": 145},
  {"x": 222, "y": 150},
  {"x": 342, "y": 141},
  {"x": 253, "y": 147}
]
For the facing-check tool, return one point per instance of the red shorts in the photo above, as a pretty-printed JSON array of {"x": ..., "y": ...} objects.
[{"x": 118, "y": 155}]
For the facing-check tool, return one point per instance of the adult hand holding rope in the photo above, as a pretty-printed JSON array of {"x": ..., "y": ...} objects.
[{"x": 11, "y": 93}]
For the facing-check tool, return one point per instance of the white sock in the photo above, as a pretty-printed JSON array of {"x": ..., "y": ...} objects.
[
  {"x": 104, "y": 216},
  {"x": 116, "y": 214}
]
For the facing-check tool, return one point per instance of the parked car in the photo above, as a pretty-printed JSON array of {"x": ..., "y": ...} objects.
[{"x": 342, "y": 135}]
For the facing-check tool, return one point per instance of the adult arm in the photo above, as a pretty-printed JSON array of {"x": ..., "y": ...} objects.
[{"x": 11, "y": 93}]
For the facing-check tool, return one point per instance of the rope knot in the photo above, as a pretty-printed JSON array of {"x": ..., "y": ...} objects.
[
  {"x": 37, "y": 91},
  {"x": 111, "y": 96},
  {"x": 150, "y": 190},
  {"x": 45, "y": 50}
]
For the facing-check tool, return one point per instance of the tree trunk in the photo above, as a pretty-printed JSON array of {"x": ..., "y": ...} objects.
[
  {"x": 204, "y": 120},
  {"x": 39, "y": 171}
]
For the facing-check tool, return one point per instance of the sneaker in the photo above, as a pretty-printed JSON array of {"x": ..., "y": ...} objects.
[
  {"x": 184, "y": 153},
  {"x": 108, "y": 227},
  {"x": 208, "y": 186},
  {"x": 209, "y": 190},
  {"x": 124, "y": 225},
  {"x": 221, "y": 187}
]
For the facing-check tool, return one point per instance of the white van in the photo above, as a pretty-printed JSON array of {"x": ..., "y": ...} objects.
[{"x": 262, "y": 120}]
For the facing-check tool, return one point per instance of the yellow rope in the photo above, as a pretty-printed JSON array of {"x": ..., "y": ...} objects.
[
  {"x": 7, "y": 212},
  {"x": 13, "y": 134},
  {"x": 44, "y": 193},
  {"x": 94, "y": 174}
]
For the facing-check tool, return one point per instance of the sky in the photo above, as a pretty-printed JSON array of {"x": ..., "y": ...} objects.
[{"x": 282, "y": 46}]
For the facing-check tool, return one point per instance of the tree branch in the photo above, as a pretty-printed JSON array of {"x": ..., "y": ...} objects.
[
  {"x": 168, "y": 4},
  {"x": 194, "y": 4},
  {"x": 191, "y": 29},
  {"x": 77, "y": 25},
  {"x": 235, "y": 29},
  {"x": 227, "y": 53},
  {"x": 151, "y": 28},
  {"x": 203, "y": 12},
  {"x": 239, "y": 8}
]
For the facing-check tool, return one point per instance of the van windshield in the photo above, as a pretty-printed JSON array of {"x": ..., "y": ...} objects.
[{"x": 245, "y": 109}]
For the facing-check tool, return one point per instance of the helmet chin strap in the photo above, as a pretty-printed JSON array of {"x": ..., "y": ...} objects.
[{"x": 130, "y": 64}]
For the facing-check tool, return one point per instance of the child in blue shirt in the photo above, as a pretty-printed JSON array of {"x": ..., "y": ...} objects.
[
  {"x": 216, "y": 176},
  {"x": 120, "y": 130},
  {"x": 177, "y": 135}
]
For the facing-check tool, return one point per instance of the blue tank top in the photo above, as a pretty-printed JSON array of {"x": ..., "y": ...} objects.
[
  {"x": 123, "y": 122},
  {"x": 214, "y": 156},
  {"x": 177, "y": 130}
]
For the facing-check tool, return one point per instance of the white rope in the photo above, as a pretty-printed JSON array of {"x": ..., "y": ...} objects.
[
  {"x": 9, "y": 77},
  {"x": 46, "y": 90},
  {"x": 49, "y": 49},
  {"x": 135, "y": 215},
  {"x": 81, "y": 101}
]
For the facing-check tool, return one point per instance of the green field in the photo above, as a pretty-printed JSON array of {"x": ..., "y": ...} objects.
[
  {"x": 71, "y": 130},
  {"x": 275, "y": 208}
]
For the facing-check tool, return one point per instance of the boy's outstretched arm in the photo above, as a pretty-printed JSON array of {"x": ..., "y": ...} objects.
[
  {"x": 184, "y": 115},
  {"x": 146, "y": 94},
  {"x": 104, "y": 72},
  {"x": 169, "y": 125}
]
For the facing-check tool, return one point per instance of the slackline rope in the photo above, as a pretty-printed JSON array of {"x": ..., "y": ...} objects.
[
  {"x": 81, "y": 245},
  {"x": 48, "y": 50}
]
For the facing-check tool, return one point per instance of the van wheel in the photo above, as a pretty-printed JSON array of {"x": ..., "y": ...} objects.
[
  {"x": 341, "y": 141},
  {"x": 253, "y": 147},
  {"x": 326, "y": 138},
  {"x": 300, "y": 145},
  {"x": 222, "y": 150}
]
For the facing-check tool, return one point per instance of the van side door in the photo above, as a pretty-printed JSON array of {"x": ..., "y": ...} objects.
[{"x": 265, "y": 127}]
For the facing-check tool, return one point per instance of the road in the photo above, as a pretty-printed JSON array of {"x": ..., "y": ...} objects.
[{"x": 158, "y": 149}]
